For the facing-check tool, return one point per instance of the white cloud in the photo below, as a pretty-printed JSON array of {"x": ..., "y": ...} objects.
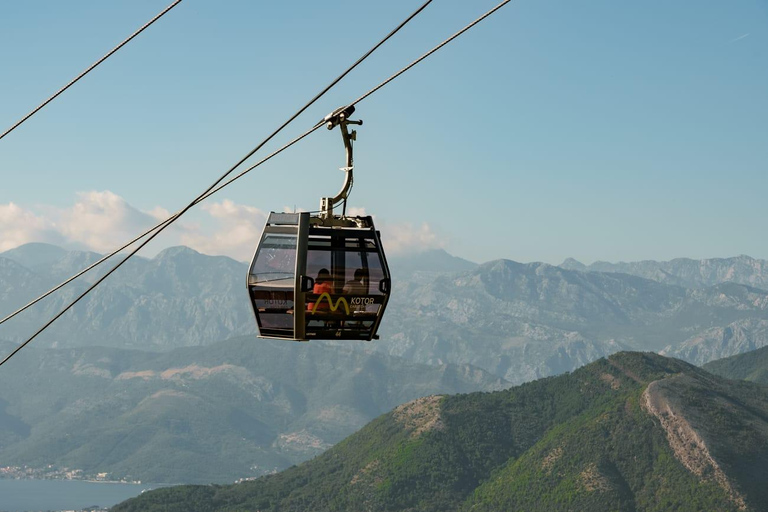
[
  {"x": 101, "y": 221},
  {"x": 159, "y": 213},
  {"x": 743, "y": 36},
  {"x": 19, "y": 226},
  {"x": 356, "y": 212},
  {"x": 236, "y": 233},
  {"x": 405, "y": 238}
]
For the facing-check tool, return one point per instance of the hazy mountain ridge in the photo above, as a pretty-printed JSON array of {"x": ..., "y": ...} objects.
[
  {"x": 234, "y": 409},
  {"x": 631, "y": 432},
  {"x": 429, "y": 262},
  {"x": 37, "y": 255},
  {"x": 715, "y": 343},
  {"x": 178, "y": 298},
  {"x": 687, "y": 272},
  {"x": 519, "y": 321},
  {"x": 525, "y": 321}
]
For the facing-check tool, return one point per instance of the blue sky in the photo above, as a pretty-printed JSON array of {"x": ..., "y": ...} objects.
[{"x": 599, "y": 130}]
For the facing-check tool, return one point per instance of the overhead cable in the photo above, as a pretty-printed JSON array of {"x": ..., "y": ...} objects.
[
  {"x": 430, "y": 52},
  {"x": 162, "y": 225},
  {"x": 213, "y": 188},
  {"x": 154, "y": 232},
  {"x": 217, "y": 187},
  {"x": 92, "y": 66}
]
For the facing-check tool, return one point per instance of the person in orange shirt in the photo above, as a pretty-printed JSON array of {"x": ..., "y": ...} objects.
[{"x": 323, "y": 284}]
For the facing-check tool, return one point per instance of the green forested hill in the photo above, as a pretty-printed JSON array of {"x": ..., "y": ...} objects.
[
  {"x": 635, "y": 432},
  {"x": 751, "y": 366}
]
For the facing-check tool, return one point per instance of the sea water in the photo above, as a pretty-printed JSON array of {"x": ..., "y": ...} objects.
[{"x": 38, "y": 495}]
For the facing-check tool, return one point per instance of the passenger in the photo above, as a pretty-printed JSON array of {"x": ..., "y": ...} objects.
[
  {"x": 356, "y": 286},
  {"x": 323, "y": 284}
]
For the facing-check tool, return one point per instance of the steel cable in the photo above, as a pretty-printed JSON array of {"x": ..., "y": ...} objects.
[
  {"x": 156, "y": 230},
  {"x": 91, "y": 67},
  {"x": 430, "y": 52},
  {"x": 210, "y": 190},
  {"x": 162, "y": 225}
]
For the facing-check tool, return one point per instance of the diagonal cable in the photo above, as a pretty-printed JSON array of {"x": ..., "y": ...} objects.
[
  {"x": 430, "y": 52},
  {"x": 91, "y": 67},
  {"x": 154, "y": 232},
  {"x": 211, "y": 189},
  {"x": 162, "y": 225}
]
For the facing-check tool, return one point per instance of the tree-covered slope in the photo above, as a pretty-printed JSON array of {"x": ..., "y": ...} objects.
[
  {"x": 632, "y": 432},
  {"x": 751, "y": 366}
]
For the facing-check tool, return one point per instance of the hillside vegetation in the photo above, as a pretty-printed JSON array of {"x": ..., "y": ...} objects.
[
  {"x": 633, "y": 432},
  {"x": 751, "y": 366}
]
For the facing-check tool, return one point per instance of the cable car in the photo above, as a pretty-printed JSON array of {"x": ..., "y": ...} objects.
[{"x": 321, "y": 276}]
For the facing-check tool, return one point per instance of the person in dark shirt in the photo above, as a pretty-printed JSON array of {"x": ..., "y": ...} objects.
[{"x": 356, "y": 286}]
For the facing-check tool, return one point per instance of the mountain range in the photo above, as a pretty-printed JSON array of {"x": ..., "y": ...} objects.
[
  {"x": 631, "y": 432},
  {"x": 518, "y": 321},
  {"x": 137, "y": 370},
  {"x": 178, "y": 298},
  {"x": 525, "y": 321},
  {"x": 687, "y": 272}
]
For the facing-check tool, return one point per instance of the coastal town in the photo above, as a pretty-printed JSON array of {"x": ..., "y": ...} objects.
[{"x": 51, "y": 472}]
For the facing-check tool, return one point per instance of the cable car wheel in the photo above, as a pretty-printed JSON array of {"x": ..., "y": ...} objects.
[{"x": 320, "y": 276}]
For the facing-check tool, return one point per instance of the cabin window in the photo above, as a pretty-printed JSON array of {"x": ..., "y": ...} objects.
[{"x": 271, "y": 282}]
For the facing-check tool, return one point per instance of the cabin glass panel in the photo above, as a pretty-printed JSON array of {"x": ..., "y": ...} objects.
[
  {"x": 349, "y": 285},
  {"x": 271, "y": 282}
]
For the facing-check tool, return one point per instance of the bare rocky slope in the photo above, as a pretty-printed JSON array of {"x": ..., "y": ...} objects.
[
  {"x": 526, "y": 321},
  {"x": 687, "y": 272}
]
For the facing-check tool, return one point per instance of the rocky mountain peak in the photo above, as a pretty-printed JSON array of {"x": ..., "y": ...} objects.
[
  {"x": 573, "y": 264},
  {"x": 35, "y": 254},
  {"x": 430, "y": 261},
  {"x": 176, "y": 252}
]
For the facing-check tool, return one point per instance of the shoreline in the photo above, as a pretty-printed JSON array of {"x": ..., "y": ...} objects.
[{"x": 122, "y": 482}]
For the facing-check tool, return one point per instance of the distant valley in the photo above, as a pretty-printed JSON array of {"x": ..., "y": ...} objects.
[{"x": 236, "y": 409}]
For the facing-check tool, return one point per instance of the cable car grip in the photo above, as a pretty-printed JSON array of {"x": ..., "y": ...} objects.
[{"x": 340, "y": 118}]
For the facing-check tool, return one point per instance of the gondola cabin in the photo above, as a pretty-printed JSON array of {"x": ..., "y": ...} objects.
[
  {"x": 315, "y": 278},
  {"x": 321, "y": 276}
]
